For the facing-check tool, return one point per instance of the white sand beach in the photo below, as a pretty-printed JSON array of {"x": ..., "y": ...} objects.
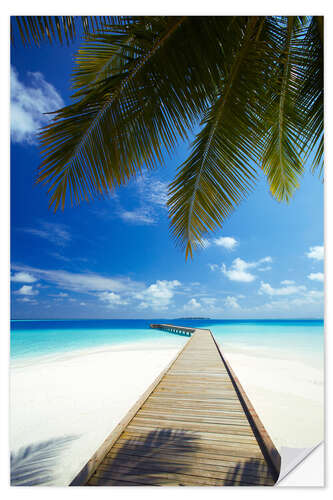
[
  {"x": 62, "y": 408},
  {"x": 287, "y": 394}
]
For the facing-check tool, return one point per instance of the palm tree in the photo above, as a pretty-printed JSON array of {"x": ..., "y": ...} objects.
[
  {"x": 34, "y": 30},
  {"x": 254, "y": 85}
]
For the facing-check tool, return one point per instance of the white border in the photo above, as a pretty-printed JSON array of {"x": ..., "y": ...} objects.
[{"x": 144, "y": 7}]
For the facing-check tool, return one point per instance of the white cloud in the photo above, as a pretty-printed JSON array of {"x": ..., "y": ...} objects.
[
  {"x": 266, "y": 288},
  {"x": 316, "y": 253},
  {"x": 152, "y": 190},
  {"x": 192, "y": 304},
  {"x": 83, "y": 282},
  {"x": 22, "y": 277},
  {"x": 158, "y": 295},
  {"x": 139, "y": 217},
  {"x": 209, "y": 301},
  {"x": 239, "y": 269},
  {"x": 59, "y": 295},
  {"x": 27, "y": 290},
  {"x": 287, "y": 282},
  {"x": 266, "y": 268},
  {"x": 316, "y": 276},
  {"x": 232, "y": 302},
  {"x": 83, "y": 304},
  {"x": 315, "y": 294},
  {"x": 308, "y": 298},
  {"x": 55, "y": 233},
  {"x": 262, "y": 261},
  {"x": 112, "y": 299},
  {"x": 143, "y": 305},
  {"x": 213, "y": 267},
  {"x": 152, "y": 197},
  {"x": 27, "y": 299},
  {"x": 226, "y": 242},
  {"x": 59, "y": 256},
  {"x": 157, "y": 193},
  {"x": 29, "y": 103}
]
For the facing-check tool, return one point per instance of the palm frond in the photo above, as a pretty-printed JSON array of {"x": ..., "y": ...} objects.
[
  {"x": 311, "y": 96},
  {"x": 219, "y": 172},
  {"x": 138, "y": 90},
  {"x": 282, "y": 161},
  {"x": 141, "y": 83},
  {"x": 34, "y": 30}
]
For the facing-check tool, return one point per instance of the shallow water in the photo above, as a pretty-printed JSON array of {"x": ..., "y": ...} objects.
[{"x": 284, "y": 339}]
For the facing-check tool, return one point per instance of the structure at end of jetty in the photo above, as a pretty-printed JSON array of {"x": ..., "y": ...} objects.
[{"x": 178, "y": 330}]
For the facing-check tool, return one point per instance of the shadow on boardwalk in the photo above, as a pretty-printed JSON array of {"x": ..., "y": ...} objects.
[
  {"x": 146, "y": 460},
  {"x": 168, "y": 457},
  {"x": 34, "y": 465},
  {"x": 252, "y": 472}
]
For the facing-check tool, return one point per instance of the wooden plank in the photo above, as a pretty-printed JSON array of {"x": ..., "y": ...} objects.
[
  {"x": 203, "y": 398},
  {"x": 133, "y": 464},
  {"x": 189, "y": 416},
  {"x": 86, "y": 472},
  {"x": 261, "y": 433},
  {"x": 196, "y": 457},
  {"x": 191, "y": 427},
  {"x": 203, "y": 446},
  {"x": 190, "y": 478},
  {"x": 115, "y": 458},
  {"x": 200, "y": 406},
  {"x": 195, "y": 426},
  {"x": 195, "y": 440},
  {"x": 198, "y": 434}
]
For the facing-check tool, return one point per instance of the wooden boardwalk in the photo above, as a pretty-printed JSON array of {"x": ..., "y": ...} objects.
[{"x": 193, "y": 427}]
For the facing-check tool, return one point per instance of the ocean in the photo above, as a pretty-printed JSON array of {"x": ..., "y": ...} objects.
[{"x": 286, "y": 339}]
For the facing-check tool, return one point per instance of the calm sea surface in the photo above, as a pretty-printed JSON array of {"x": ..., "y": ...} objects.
[{"x": 286, "y": 338}]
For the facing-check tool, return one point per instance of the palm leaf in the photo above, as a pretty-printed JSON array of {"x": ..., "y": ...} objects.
[
  {"x": 282, "y": 161},
  {"x": 311, "y": 96},
  {"x": 138, "y": 90},
  {"x": 219, "y": 171},
  {"x": 37, "y": 29},
  {"x": 141, "y": 83}
]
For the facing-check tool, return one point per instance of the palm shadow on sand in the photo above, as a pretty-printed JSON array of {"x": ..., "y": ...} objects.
[{"x": 35, "y": 464}]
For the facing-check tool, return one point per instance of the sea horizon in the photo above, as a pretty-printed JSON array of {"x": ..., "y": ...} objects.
[
  {"x": 169, "y": 319},
  {"x": 277, "y": 337}
]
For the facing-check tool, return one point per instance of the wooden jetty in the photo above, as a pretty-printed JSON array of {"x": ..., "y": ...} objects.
[
  {"x": 179, "y": 330},
  {"x": 194, "y": 426}
]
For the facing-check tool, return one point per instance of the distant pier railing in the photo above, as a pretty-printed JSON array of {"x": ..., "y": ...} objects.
[{"x": 178, "y": 330}]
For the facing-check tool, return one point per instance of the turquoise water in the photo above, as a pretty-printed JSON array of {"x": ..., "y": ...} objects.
[
  {"x": 287, "y": 338},
  {"x": 39, "y": 338}
]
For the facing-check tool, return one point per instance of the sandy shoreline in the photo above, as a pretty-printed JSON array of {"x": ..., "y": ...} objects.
[
  {"x": 287, "y": 395},
  {"x": 62, "y": 410},
  {"x": 64, "y": 406}
]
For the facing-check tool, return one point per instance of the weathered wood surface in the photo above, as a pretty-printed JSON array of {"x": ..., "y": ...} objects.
[{"x": 194, "y": 426}]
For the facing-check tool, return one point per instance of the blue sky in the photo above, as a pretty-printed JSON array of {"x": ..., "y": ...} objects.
[{"x": 115, "y": 258}]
